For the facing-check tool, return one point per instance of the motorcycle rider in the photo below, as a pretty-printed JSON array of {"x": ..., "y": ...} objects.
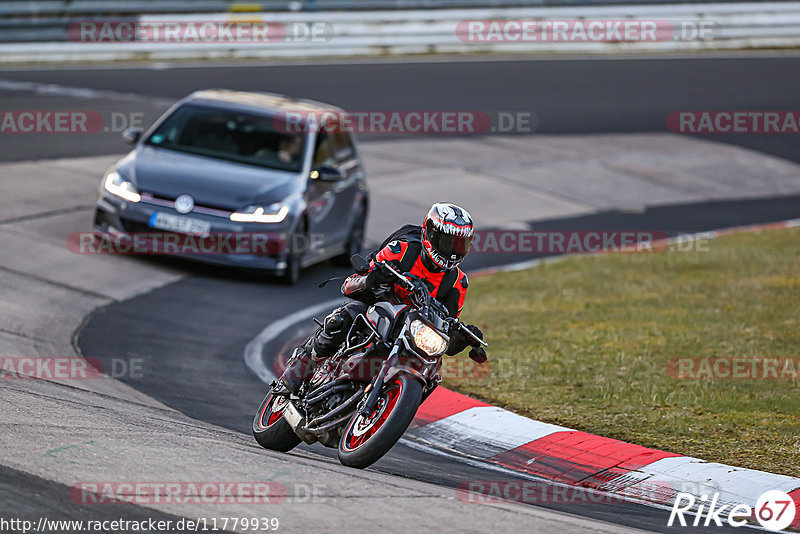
[{"x": 431, "y": 252}]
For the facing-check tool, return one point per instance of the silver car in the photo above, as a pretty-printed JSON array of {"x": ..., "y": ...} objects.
[{"x": 227, "y": 163}]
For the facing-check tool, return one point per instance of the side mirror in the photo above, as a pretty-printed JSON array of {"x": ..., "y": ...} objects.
[
  {"x": 359, "y": 263},
  {"x": 327, "y": 174},
  {"x": 132, "y": 135}
]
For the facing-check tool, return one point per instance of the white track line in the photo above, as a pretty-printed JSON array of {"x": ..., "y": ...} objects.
[{"x": 253, "y": 352}]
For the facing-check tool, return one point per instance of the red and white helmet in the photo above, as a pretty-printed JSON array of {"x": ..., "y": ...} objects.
[{"x": 447, "y": 232}]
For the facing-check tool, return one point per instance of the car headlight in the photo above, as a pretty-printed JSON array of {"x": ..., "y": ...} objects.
[
  {"x": 118, "y": 186},
  {"x": 427, "y": 339},
  {"x": 274, "y": 213}
]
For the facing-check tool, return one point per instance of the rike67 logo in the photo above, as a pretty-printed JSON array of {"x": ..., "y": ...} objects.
[{"x": 775, "y": 510}]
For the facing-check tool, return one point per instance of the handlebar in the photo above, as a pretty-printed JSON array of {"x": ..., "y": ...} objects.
[
  {"x": 412, "y": 287},
  {"x": 408, "y": 283},
  {"x": 462, "y": 328}
]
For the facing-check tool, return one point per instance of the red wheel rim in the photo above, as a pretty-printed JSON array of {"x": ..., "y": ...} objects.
[
  {"x": 361, "y": 428},
  {"x": 274, "y": 415}
]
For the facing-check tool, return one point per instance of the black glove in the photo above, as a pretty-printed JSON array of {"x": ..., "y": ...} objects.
[
  {"x": 377, "y": 277},
  {"x": 477, "y": 332},
  {"x": 478, "y": 355},
  {"x": 460, "y": 341}
]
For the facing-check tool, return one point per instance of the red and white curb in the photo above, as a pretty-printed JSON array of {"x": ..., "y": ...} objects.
[
  {"x": 456, "y": 424},
  {"x": 477, "y": 430}
]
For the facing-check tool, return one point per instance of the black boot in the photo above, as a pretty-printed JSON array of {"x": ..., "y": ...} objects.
[
  {"x": 300, "y": 367},
  {"x": 318, "y": 347},
  {"x": 331, "y": 336}
]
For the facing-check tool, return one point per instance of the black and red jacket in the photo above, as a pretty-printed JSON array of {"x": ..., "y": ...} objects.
[{"x": 448, "y": 286}]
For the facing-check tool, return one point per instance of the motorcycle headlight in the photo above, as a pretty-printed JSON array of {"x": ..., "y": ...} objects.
[
  {"x": 427, "y": 339},
  {"x": 118, "y": 186},
  {"x": 274, "y": 213}
]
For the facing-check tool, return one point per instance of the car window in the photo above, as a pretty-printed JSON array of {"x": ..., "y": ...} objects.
[
  {"x": 323, "y": 151},
  {"x": 231, "y": 135},
  {"x": 342, "y": 146}
]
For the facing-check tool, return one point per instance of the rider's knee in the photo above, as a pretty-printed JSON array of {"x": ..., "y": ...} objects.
[{"x": 336, "y": 321}]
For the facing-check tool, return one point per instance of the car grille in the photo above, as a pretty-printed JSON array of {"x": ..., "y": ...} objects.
[{"x": 166, "y": 202}]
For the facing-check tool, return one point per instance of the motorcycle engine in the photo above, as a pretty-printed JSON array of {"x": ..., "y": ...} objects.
[
  {"x": 333, "y": 401},
  {"x": 322, "y": 375}
]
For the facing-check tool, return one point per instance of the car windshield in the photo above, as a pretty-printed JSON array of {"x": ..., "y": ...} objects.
[{"x": 229, "y": 135}]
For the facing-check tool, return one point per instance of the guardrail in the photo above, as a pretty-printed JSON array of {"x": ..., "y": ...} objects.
[
  {"x": 678, "y": 27},
  {"x": 65, "y": 8},
  {"x": 49, "y": 20}
]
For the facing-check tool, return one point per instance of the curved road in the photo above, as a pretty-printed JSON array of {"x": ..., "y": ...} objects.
[
  {"x": 177, "y": 329},
  {"x": 193, "y": 359}
]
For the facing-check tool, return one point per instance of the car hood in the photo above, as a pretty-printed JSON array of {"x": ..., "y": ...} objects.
[{"x": 211, "y": 182}]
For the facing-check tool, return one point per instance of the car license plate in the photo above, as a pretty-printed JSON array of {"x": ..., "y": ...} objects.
[{"x": 176, "y": 223}]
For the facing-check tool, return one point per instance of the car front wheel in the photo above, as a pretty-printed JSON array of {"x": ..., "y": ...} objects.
[{"x": 294, "y": 256}]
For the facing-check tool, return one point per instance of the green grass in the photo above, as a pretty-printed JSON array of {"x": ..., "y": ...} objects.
[{"x": 585, "y": 342}]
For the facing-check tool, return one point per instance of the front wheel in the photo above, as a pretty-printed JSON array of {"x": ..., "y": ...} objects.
[
  {"x": 270, "y": 428},
  {"x": 367, "y": 439}
]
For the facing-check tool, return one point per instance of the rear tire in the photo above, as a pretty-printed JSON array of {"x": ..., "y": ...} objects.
[
  {"x": 270, "y": 428},
  {"x": 365, "y": 440}
]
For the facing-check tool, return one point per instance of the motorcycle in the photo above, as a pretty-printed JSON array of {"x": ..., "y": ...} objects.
[{"x": 363, "y": 398}]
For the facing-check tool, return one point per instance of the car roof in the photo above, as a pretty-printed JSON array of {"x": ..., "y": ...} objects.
[{"x": 262, "y": 101}]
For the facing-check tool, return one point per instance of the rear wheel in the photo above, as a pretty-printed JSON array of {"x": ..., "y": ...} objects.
[
  {"x": 367, "y": 439},
  {"x": 270, "y": 428}
]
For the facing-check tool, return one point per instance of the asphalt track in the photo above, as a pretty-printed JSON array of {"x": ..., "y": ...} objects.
[
  {"x": 25, "y": 496},
  {"x": 565, "y": 96},
  {"x": 191, "y": 334}
]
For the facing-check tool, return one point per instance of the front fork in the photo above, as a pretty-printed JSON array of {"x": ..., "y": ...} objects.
[{"x": 376, "y": 386}]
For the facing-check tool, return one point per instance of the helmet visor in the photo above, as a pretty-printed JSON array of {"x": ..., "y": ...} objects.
[{"x": 452, "y": 247}]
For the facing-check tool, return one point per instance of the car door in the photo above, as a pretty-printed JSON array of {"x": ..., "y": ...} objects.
[
  {"x": 326, "y": 205},
  {"x": 347, "y": 188}
]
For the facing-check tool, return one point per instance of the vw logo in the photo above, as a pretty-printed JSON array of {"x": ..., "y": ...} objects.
[{"x": 184, "y": 204}]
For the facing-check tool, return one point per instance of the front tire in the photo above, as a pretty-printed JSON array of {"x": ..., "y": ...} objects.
[
  {"x": 270, "y": 428},
  {"x": 366, "y": 439}
]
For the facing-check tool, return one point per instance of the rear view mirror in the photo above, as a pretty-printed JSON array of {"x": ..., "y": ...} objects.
[
  {"x": 359, "y": 263},
  {"x": 132, "y": 135},
  {"x": 327, "y": 174}
]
